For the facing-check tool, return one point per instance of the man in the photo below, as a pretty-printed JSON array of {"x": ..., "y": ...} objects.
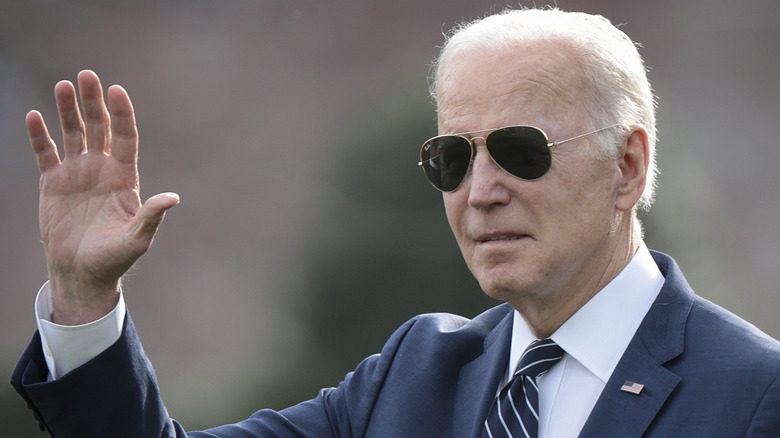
[{"x": 546, "y": 151}]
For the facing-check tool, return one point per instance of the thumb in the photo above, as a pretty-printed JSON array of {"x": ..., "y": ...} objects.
[
  {"x": 150, "y": 216},
  {"x": 161, "y": 202}
]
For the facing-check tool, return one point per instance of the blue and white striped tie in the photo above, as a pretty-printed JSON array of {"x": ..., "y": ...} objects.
[{"x": 515, "y": 413}]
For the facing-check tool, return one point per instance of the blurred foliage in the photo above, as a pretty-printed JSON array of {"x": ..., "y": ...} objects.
[{"x": 383, "y": 253}]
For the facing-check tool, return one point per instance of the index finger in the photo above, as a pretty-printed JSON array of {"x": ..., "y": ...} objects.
[{"x": 124, "y": 133}]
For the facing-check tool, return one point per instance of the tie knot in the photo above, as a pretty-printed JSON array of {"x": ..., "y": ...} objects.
[{"x": 539, "y": 357}]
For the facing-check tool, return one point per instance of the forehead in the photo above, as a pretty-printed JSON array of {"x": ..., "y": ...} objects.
[{"x": 513, "y": 85}]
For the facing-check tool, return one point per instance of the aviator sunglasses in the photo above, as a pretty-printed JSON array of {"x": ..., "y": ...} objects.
[{"x": 523, "y": 151}]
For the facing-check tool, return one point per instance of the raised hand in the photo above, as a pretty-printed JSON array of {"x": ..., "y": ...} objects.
[{"x": 92, "y": 222}]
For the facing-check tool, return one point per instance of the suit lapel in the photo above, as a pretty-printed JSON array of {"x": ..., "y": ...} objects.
[
  {"x": 659, "y": 339},
  {"x": 622, "y": 414},
  {"x": 478, "y": 380}
]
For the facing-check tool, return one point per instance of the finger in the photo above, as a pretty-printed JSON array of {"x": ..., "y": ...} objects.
[
  {"x": 96, "y": 117},
  {"x": 149, "y": 217},
  {"x": 70, "y": 118},
  {"x": 124, "y": 133},
  {"x": 43, "y": 146}
]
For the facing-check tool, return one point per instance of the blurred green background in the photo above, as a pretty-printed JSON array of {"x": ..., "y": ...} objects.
[{"x": 306, "y": 232}]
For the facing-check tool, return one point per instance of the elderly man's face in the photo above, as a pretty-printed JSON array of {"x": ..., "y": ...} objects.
[{"x": 545, "y": 239}]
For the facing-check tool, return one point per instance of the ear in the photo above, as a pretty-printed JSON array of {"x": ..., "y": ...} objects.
[{"x": 633, "y": 169}]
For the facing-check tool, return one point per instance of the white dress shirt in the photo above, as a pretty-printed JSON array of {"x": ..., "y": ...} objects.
[
  {"x": 594, "y": 339},
  {"x": 67, "y": 347}
]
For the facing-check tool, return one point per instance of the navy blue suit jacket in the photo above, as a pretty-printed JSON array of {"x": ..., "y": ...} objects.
[{"x": 706, "y": 373}]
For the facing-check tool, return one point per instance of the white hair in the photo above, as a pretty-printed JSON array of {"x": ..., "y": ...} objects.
[{"x": 618, "y": 91}]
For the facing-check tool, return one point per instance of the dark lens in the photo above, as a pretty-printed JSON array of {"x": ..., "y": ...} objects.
[
  {"x": 446, "y": 160},
  {"x": 521, "y": 151}
]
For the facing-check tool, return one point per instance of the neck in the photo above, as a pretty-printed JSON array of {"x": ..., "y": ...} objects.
[{"x": 545, "y": 313}]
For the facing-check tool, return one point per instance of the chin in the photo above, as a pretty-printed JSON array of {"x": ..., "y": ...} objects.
[{"x": 501, "y": 290}]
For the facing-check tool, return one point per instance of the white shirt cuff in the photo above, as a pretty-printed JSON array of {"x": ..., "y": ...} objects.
[{"x": 67, "y": 347}]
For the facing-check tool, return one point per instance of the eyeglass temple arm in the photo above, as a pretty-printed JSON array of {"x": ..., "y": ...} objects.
[{"x": 557, "y": 143}]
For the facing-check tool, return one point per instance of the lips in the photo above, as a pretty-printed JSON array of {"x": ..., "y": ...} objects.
[{"x": 500, "y": 237}]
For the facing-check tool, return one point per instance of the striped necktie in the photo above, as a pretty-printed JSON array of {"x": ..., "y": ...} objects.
[{"x": 515, "y": 412}]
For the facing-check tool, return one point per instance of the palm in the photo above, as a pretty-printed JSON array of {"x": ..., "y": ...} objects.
[{"x": 87, "y": 206}]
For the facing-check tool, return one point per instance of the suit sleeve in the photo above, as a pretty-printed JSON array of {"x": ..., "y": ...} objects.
[{"x": 116, "y": 394}]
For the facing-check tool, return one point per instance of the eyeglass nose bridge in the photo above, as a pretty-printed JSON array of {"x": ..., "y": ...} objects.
[
  {"x": 473, "y": 140},
  {"x": 489, "y": 156}
]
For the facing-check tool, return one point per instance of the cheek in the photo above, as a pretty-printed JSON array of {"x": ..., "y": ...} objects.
[
  {"x": 455, "y": 209},
  {"x": 593, "y": 212},
  {"x": 580, "y": 202}
]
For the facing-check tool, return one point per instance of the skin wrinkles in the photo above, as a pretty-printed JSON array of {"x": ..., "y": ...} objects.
[
  {"x": 572, "y": 232},
  {"x": 553, "y": 89}
]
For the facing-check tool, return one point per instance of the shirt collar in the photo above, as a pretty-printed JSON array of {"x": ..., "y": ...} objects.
[{"x": 599, "y": 332}]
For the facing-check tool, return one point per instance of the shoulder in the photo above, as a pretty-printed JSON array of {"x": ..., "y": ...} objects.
[
  {"x": 442, "y": 326},
  {"x": 446, "y": 337},
  {"x": 426, "y": 348},
  {"x": 737, "y": 339},
  {"x": 731, "y": 359},
  {"x": 712, "y": 333}
]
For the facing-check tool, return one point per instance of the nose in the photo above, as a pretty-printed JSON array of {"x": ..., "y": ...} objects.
[{"x": 486, "y": 184}]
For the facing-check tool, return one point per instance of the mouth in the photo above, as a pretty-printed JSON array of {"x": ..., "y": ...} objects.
[{"x": 501, "y": 238}]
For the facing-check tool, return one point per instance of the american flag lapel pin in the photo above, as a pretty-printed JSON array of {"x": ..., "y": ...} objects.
[{"x": 632, "y": 387}]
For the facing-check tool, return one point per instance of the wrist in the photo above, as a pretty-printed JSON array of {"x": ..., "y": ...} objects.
[{"x": 77, "y": 302}]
